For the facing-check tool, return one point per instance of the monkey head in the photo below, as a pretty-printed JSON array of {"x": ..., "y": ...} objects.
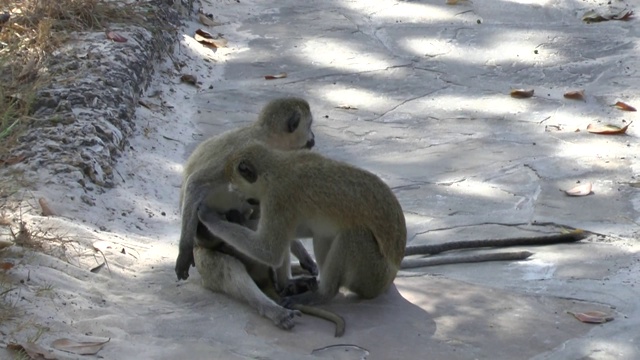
[{"x": 288, "y": 122}]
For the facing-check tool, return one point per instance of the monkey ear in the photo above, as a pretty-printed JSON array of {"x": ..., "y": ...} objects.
[
  {"x": 247, "y": 171},
  {"x": 293, "y": 121}
]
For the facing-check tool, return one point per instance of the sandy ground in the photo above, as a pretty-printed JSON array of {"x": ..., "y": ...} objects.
[{"x": 428, "y": 85}]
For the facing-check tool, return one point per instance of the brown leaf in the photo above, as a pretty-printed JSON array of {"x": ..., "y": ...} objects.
[
  {"x": 13, "y": 159},
  {"x": 626, "y": 107},
  {"x": 580, "y": 190},
  {"x": 521, "y": 93},
  {"x": 149, "y": 105},
  {"x": 205, "y": 38},
  {"x": 346, "y": 107},
  {"x": 189, "y": 79},
  {"x": 205, "y": 20},
  {"x": 574, "y": 95},
  {"x": 79, "y": 348},
  {"x": 595, "y": 16},
  {"x": 592, "y": 317},
  {"x": 278, "y": 76},
  {"x": 112, "y": 35},
  {"x": 33, "y": 350},
  {"x": 6, "y": 265},
  {"x": 607, "y": 129},
  {"x": 97, "y": 269},
  {"x": 623, "y": 15},
  {"x": 46, "y": 209}
]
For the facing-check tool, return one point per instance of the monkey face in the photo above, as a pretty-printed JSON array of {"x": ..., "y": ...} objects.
[
  {"x": 245, "y": 173},
  {"x": 288, "y": 121}
]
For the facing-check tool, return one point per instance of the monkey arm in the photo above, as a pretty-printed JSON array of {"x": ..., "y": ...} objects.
[
  {"x": 267, "y": 245},
  {"x": 193, "y": 195},
  {"x": 306, "y": 261}
]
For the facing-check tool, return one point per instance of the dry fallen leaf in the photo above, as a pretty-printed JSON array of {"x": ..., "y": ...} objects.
[
  {"x": 97, "y": 269},
  {"x": 33, "y": 350},
  {"x": 205, "y": 20},
  {"x": 46, "y": 209},
  {"x": 346, "y": 107},
  {"x": 607, "y": 129},
  {"x": 5, "y": 244},
  {"x": 592, "y": 317},
  {"x": 6, "y": 265},
  {"x": 456, "y": 2},
  {"x": 605, "y": 15},
  {"x": 111, "y": 35},
  {"x": 574, "y": 95},
  {"x": 149, "y": 105},
  {"x": 189, "y": 79},
  {"x": 626, "y": 107},
  {"x": 79, "y": 348},
  {"x": 521, "y": 93},
  {"x": 278, "y": 76},
  {"x": 580, "y": 190},
  {"x": 13, "y": 160},
  {"x": 205, "y": 38}
]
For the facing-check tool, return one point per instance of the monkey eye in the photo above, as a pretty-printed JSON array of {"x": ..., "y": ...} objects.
[
  {"x": 247, "y": 171},
  {"x": 293, "y": 122}
]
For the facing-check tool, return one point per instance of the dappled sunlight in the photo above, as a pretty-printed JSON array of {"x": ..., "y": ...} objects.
[
  {"x": 409, "y": 12},
  {"x": 405, "y": 12},
  {"x": 488, "y": 104},
  {"x": 204, "y": 51},
  {"x": 479, "y": 188},
  {"x": 351, "y": 96},
  {"x": 337, "y": 54},
  {"x": 504, "y": 49}
]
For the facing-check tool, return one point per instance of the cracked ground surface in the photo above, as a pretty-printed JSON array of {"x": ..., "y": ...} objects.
[{"x": 427, "y": 86}]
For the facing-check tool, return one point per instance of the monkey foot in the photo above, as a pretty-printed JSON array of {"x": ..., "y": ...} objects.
[{"x": 284, "y": 318}]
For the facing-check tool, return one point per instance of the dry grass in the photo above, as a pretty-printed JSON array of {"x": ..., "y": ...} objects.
[{"x": 30, "y": 30}]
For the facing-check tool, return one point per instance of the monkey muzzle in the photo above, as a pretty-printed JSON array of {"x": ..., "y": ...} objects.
[{"x": 311, "y": 143}]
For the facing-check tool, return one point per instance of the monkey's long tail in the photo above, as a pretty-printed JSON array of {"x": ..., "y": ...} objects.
[
  {"x": 461, "y": 259},
  {"x": 323, "y": 314},
  {"x": 575, "y": 235}
]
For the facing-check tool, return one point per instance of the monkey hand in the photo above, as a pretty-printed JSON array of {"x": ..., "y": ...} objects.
[
  {"x": 309, "y": 265},
  {"x": 183, "y": 263}
]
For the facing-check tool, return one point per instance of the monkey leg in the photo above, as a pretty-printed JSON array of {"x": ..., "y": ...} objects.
[
  {"x": 352, "y": 260},
  {"x": 226, "y": 274}
]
